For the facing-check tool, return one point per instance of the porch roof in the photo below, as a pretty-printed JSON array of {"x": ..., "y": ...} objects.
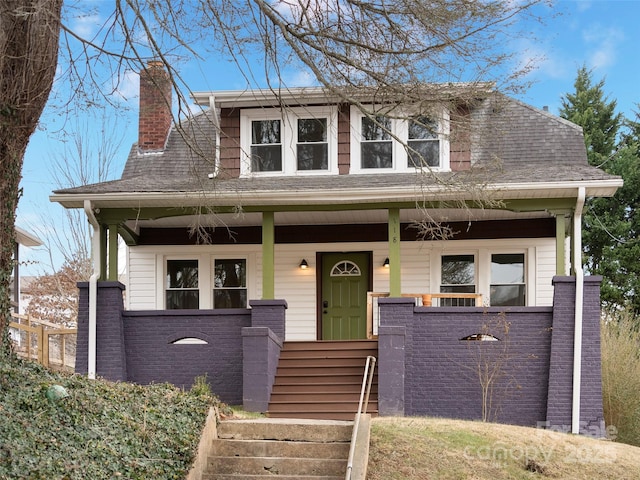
[{"x": 517, "y": 182}]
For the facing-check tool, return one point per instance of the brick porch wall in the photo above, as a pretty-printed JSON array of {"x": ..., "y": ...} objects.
[
  {"x": 137, "y": 346},
  {"x": 438, "y": 368}
]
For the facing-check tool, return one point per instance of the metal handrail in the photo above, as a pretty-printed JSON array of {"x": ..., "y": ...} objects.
[{"x": 367, "y": 378}]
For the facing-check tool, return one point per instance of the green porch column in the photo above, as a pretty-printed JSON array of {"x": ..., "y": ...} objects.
[
  {"x": 268, "y": 256},
  {"x": 395, "y": 286},
  {"x": 103, "y": 252},
  {"x": 561, "y": 237},
  {"x": 113, "y": 253}
]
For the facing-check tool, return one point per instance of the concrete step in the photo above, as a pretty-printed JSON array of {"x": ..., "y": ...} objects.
[
  {"x": 283, "y": 429},
  {"x": 301, "y": 449},
  {"x": 244, "y": 476},
  {"x": 274, "y": 448},
  {"x": 320, "y": 414},
  {"x": 277, "y": 466}
]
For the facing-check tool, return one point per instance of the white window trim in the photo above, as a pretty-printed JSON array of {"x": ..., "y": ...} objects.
[
  {"x": 250, "y": 274},
  {"x": 399, "y": 128},
  {"x": 206, "y": 263},
  {"x": 483, "y": 270},
  {"x": 289, "y": 138}
]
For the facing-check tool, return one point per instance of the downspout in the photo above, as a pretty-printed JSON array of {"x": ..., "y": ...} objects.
[
  {"x": 93, "y": 290},
  {"x": 577, "y": 333}
]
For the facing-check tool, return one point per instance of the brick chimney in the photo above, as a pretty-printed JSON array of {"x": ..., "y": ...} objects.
[{"x": 155, "y": 108}]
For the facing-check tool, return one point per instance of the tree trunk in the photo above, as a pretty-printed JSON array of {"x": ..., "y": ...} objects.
[{"x": 29, "y": 34}]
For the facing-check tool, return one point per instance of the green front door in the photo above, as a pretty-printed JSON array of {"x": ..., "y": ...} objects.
[{"x": 345, "y": 281}]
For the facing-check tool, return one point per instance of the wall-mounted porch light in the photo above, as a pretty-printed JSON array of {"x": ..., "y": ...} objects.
[
  {"x": 386, "y": 263},
  {"x": 303, "y": 264}
]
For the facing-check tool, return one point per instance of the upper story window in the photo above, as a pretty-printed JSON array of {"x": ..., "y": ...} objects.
[
  {"x": 266, "y": 146},
  {"x": 423, "y": 145},
  {"x": 376, "y": 148},
  {"x": 386, "y": 144},
  {"x": 312, "y": 152},
  {"x": 289, "y": 141}
]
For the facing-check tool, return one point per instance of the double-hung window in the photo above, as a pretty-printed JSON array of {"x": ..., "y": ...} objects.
[
  {"x": 181, "y": 290},
  {"x": 230, "y": 283},
  {"x": 423, "y": 145},
  {"x": 507, "y": 279},
  {"x": 376, "y": 148},
  {"x": 500, "y": 278},
  {"x": 458, "y": 275},
  {"x": 398, "y": 142},
  {"x": 312, "y": 152},
  {"x": 291, "y": 141},
  {"x": 266, "y": 145}
]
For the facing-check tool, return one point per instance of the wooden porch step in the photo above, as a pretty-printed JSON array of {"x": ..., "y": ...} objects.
[
  {"x": 322, "y": 380},
  {"x": 334, "y": 387},
  {"x": 331, "y": 345}
]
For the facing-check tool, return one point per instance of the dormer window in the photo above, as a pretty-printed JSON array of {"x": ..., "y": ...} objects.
[
  {"x": 382, "y": 143},
  {"x": 291, "y": 141},
  {"x": 423, "y": 145},
  {"x": 312, "y": 151},
  {"x": 376, "y": 148},
  {"x": 266, "y": 146}
]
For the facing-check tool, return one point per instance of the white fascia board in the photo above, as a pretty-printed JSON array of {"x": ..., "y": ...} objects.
[
  {"x": 25, "y": 238},
  {"x": 264, "y": 97},
  {"x": 328, "y": 196}
]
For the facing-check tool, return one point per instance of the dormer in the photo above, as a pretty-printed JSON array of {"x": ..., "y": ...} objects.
[{"x": 307, "y": 131}]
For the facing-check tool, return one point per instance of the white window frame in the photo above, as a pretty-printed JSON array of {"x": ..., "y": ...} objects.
[
  {"x": 399, "y": 129},
  {"x": 213, "y": 269},
  {"x": 164, "y": 259},
  {"x": 206, "y": 263},
  {"x": 289, "y": 138},
  {"x": 482, "y": 258}
]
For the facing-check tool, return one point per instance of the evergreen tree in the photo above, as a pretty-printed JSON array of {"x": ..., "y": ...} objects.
[
  {"x": 611, "y": 224},
  {"x": 591, "y": 109}
]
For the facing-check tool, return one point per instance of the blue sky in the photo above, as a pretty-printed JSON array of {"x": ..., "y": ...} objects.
[{"x": 601, "y": 34}]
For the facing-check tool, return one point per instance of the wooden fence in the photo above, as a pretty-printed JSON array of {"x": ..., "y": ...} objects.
[{"x": 43, "y": 341}]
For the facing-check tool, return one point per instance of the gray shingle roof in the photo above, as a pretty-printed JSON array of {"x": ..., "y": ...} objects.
[{"x": 513, "y": 143}]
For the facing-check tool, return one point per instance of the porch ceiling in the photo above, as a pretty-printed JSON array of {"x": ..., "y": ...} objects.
[{"x": 334, "y": 218}]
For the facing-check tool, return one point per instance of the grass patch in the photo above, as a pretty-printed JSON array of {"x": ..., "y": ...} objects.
[
  {"x": 621, "y": 375},
  {"x": 429, "y": 448},
  {"x": 100, "y": 430}
]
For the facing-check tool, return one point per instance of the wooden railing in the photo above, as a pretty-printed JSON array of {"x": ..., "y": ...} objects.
[
  {"x": 422, "y": 299},
  {"x": 43, "y": 341}
]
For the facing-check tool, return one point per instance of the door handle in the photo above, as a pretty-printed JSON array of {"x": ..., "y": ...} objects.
[{"x": 325, "y": 304}]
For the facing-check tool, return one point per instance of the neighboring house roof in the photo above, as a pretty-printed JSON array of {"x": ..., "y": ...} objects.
[
  {"x": 516, "y": 148},
  {"x": 25, "y": 238}
]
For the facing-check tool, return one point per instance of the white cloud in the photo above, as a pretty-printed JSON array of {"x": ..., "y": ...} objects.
[
  {"x": 604, "y": 43},
  {"x": 127, "y": 86},
  {"x": 300, "y": 78},
  {"x": 86, "y": 26}
]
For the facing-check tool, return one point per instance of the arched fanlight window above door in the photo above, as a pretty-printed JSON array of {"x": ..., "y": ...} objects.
[{"x": 345, "y": 268}]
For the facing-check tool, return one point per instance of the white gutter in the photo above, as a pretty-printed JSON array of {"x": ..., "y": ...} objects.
[
  {"x": 577, "y": 334},
  {"x": 93, "y": 290},
  {"x": 397, "y": 193}
]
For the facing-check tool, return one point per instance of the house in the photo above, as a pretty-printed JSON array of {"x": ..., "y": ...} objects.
[
  {"x": 292, "y": 216},
  {"x": 25, "y": 239}
]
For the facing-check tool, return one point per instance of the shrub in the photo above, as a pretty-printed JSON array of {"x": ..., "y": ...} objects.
[{"x": 621, "y": 375}]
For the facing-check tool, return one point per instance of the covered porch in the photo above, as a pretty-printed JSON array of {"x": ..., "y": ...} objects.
[{"x": 427, "y": 356}]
